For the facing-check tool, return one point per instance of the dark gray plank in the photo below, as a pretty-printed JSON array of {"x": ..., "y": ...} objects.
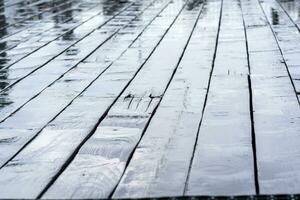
[
  {"x": 101, "y": 161},
  {"x": 161, "y": 161},
  {"x": 223, "y": 160},
  {"x": 276, "y": 109}
]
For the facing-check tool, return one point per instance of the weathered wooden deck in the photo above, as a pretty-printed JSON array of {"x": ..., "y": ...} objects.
[{"x": 152, "y": 98}]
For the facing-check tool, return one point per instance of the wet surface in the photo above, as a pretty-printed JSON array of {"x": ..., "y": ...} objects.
[{"x": 127, "y": 98}]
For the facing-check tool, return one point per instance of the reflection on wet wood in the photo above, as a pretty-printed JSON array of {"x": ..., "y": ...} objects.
[
  {"x": 120, "y": 131},
  {"x": 288, "y": 38},
  {"x": 128, "y": 98},
  {"x": 164, "y": 153},
  {"x": 70, "y": 86},
  {"x": 276, "y": 116},
  {"x": 223, "y": 160}
]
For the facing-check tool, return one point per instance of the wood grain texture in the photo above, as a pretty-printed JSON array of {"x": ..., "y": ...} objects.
[
  {"x": 80, "y": 117},
  {"x": 19, "y": 85},
  {"x": 62, "y": 49},
  {"x": 160, "y": 164},
  {"x": 59, "y": 95},
  {"x": 104, "y": 156},
  {"x": 128, "y": 98}
]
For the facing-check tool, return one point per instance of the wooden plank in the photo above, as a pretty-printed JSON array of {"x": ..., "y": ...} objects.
[
  {"x": 71, "y": 85},
  {"x": 291, "y": 8},
  {"x": 24, "y": 10},
  {"x": 287, "y": 35},
  {"x": 28, "y": 63},
  {"x": 100, "y": 162},
  {"x": 8, "y": 3},
  {"x": 31, "y": 18},
  {"x": 45, "y": 21},
  {"x": 81, "y": 116},
  {"x": 48, "y": 30},
  {"x": 276, "y": 110},
  {"x": 62, "y": 43},
  {"x": 28, "y": 9},
  {"x": 223, "y": 159},
  {"x": 48, "y": 74},
  {"x": 161, "y": 161}
]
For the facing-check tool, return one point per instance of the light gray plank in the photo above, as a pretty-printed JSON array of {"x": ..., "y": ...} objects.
[
  {"x": 291, "y": 8},
  {"x": 287, "y": 35},
  {"x": 18, "y": 95},
  {"x": 276, "y": 109},
  {"x": 223, "y": 160},
  {"x": 47, "y": 23},
  {"x": 53, "y": 147},
  {"x": 34, "y": 38},
  {"x": 55, "y": 98},
  {"x": 102, "y": 159},
  {"x": 19, "y": 65},
  {"x": 161, "y": 161},
  {"x": 30, "y": 15}
]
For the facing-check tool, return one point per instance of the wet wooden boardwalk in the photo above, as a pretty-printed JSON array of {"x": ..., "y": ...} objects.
[{"x": 152, "y": 98}]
